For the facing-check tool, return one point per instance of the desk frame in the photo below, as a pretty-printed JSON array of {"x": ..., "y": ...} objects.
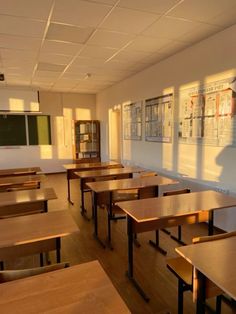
[
  {"x": 72, "y": 168},
  {"x": 191, "y": 217}
]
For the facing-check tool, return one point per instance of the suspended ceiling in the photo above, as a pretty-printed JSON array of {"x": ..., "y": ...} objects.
[{"x": 86, "y": 46}]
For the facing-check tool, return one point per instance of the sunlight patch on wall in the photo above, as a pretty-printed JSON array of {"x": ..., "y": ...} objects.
[
  {"x": 46, "y": 152},
  {"x": 16, "y": 104},
  {"x": 34, "y": 106},
  {"x": 83, "y": 114},
  {"x": 220, "y": 76}
]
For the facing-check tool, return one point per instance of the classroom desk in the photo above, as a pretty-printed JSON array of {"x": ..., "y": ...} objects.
[
  {"x": 72, "y": 168},
  {"x": 33, "y": 234},
  {"x": 7, "y": 183},
  {"x": 123, "y": 184},
  {"x": 83, "y": 288},
  {"x": 88, "y": 176},
  {"x": 19, "y": 171},
  {"x": 216, "y": 261},
  {"x": 25, "y": 201},
  {"x": 168, "y": 211}
]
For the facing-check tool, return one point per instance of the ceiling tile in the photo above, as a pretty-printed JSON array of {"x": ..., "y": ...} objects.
[
  {"x": 74, "y": 75},
  {"x": 225, "y": 18},
  {"x": 43, "y": 66},
  {"x": 111, "y": 2},
  {"x": 19, "y": 42},
  {"x": 128, "y": 21},
  {"x": 18, "y": 55},
  {"x": 26, "y": 8},
  {"x": 97, "y": 52},
  {"x": 21, "y": 26},
  {"x": 170, "y": 28},
  {"x": 154, "y": 6},
  {"x": 147, "y": 44},
  {"x": 83, "y": 61},
  {"x": 68, "y": 33},
  {"x": 109, "y": 39},
  {"x": 173, "y": 48},
  {"x": 131, "y": 56},
  {"x": 55, "y": 58},
  {"x": 201, "y": 10},
  {"x": 46, "y": 75},
  {"x": 69, "y": 49},
  {"x": 199, "y": 33},
  {"x": 80, "y": 13}
]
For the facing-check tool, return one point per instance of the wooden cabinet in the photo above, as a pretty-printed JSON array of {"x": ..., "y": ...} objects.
[{"x": 87, "y": 141}]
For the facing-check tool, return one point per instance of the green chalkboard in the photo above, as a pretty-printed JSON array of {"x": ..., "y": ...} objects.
[
  {"x": 39, "y": 130},
  {"x": 12, "y": 130}
]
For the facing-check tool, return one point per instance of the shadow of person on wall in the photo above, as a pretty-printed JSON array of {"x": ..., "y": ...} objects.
[{"x": 226, "y": 159}]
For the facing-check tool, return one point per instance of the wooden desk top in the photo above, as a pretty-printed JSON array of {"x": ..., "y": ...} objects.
[
  {"x": 90, "y": 165},
  {"x": 27, "y": 196},
  {"x": 19, "y": 171},
  {"x": 8, "y": 181},
  {"x": 32, "y": 228},
  {"x": 216, "y": 260},
  {"x": 176, "y": 205},
  {"x": 83, "y": 288},
  {"x": 132, "y": 183},
  {"x": 108, "y": 172}
]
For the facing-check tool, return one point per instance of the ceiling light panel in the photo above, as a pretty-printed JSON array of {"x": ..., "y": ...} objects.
[
  {"x": 154, "y": 6},
  {"x": 20, "y": 26},
  {"x": 26, "y": 8},
  {"x": 68, "y": 33},
  {"x": 80, "y": 13},
  {"x": 128, "y": 21}
]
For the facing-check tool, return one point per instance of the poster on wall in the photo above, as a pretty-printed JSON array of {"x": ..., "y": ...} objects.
[
  {"x": 158, "y": 119},
  {"x": 207, "y": 114},
  {"x": 132, "y": 121}
]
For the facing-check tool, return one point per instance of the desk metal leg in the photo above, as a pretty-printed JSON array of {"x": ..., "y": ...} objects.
[
  {"x": 95, "y": 213},
  {"x": 46, "y": 206},
  {"x": 156, "y": 244},
  {"x": 1, "y": 265},
  {"x": 130, "y": 272},
  {"x": 83, "y": 210},
  {"x": 68, "y": 192},
  {"x": 58, "y": 249},
  {"x": 179, "y": 237},
  {"x": 211, "y": 222},
  {"x": 201, "y": 297}
]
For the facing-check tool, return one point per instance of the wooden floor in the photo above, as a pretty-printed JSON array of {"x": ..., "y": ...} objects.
[{"x": 149, "y": 265}]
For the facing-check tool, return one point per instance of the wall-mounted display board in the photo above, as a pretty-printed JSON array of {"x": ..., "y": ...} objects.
[
  {"x": 20, "y": 130},
  {"x": 207, "y": 114},
  {"x": 12, "y": 130},
  {"x": 39, "y": 130},
  {"x": 132, "y": 121},
  {"x": 158, "y": 119}
]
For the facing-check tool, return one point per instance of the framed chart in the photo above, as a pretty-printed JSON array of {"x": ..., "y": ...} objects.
[
  {"x": 158, "y": 119},
  {"x": 208, "y": 114},
  {"x": 132, "y": 121}
]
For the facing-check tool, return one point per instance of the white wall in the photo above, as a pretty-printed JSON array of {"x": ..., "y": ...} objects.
[
  {"x": 211, "y": 59},
  {"x": 63, "y": 109}
]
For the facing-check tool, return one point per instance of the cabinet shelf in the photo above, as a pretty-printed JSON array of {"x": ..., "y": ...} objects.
[{"x": 87, "y": 140}]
